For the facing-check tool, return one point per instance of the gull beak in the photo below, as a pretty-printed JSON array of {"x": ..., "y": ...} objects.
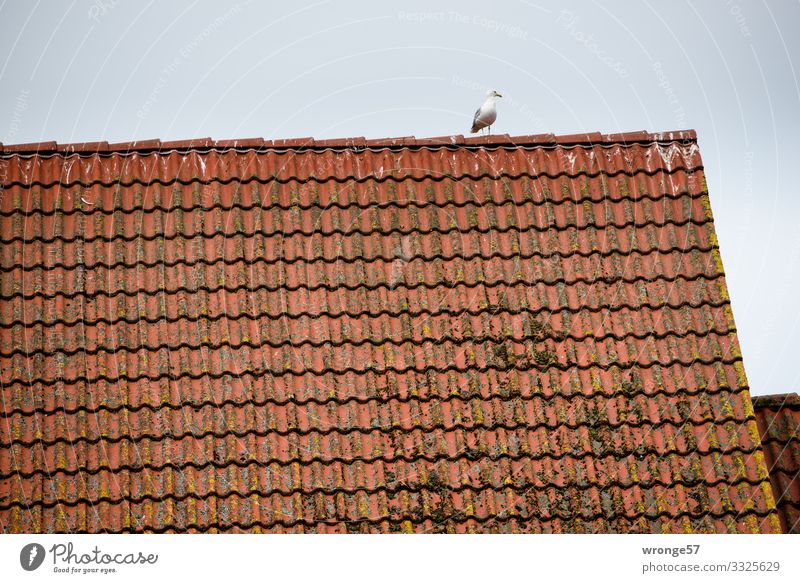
[{"x": 497, "y": 94}]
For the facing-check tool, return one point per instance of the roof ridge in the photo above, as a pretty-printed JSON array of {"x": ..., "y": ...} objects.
[
  {"x": 309, "y": 143},
  {"x": 776, "y": 401}
]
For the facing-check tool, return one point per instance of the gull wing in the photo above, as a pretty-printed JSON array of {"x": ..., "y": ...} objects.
[{"x": 475, "y": 127}]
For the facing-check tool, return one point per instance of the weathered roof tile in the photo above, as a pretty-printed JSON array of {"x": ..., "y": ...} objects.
[
  {"x": 778, "y": 418},
  {"x": 496, "y": 334}
]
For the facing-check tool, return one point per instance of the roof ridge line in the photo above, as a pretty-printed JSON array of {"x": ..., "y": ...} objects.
[
  {"x": 309, "y": 143},
  {"x": 776, "y": 400}
]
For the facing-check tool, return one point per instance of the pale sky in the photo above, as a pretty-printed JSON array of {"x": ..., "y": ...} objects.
[{"x": 118, "y": 71}]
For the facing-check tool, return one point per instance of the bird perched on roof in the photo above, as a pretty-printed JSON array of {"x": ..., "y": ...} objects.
[{"x": 487, "y": 113}]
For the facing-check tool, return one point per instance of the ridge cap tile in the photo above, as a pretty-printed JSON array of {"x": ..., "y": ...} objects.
[
  {"x": 340, "y": 142},
  {"x": 356, "y": 142},
  {"x": 289, "y": 143},
  {"x": 775, "y": 400},
  {"x": 391, "y": 142},
  {"x": 592, "y": 138},
  {"x": 84, "y": 147},
  {"x": 153, "y": 144},
  {"x": 188, "y": 144},
  {"x": 239, "y": 143},
  {"x": 32, "y": 147}
]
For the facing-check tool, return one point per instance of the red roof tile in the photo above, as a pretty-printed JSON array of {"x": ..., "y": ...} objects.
[
  {"x": 499, "y": 334},
  {"x": 778, "y": 418}
]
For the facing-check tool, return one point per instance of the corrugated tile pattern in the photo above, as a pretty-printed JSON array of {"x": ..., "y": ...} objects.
[
  {"x": 445, "y": 335},
  {"x": 778, "y": 418}
]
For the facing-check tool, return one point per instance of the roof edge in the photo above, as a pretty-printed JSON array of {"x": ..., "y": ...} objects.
[
  {"x": 497, "y": 140},
  {"x": 776, "y": 401}
]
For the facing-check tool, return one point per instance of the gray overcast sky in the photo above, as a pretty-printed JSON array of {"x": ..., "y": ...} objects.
[{"x": 118, "y": 71}]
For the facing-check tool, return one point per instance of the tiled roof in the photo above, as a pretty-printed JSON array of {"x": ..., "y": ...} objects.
[
  {"x": 778, "y": 418},
  {"x": 497, "y": 334}
]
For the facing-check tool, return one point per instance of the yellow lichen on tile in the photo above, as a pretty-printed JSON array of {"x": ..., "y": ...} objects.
[
  {"x": 774, "y": 523},
  {"x": 478, "y": 414},
  {"x": 760, "y": 463},
  {"x": 363, "y": 506},
  {"x": 741, "y": 377},
  {"x": 769, "y": 495},
  {"x": 706, "y": 204},
  {"x": 752, "y": 431},
  {"x": 717, "y": 258},
  {"x": 723, "y": 290},
  {"x": 727, "y": 409}
]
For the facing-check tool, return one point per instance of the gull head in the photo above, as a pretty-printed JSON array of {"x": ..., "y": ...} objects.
[{"x": 493, "y": 93}]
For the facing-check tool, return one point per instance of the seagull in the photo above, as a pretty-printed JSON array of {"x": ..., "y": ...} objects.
[{"x": 486, "y": 114}]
